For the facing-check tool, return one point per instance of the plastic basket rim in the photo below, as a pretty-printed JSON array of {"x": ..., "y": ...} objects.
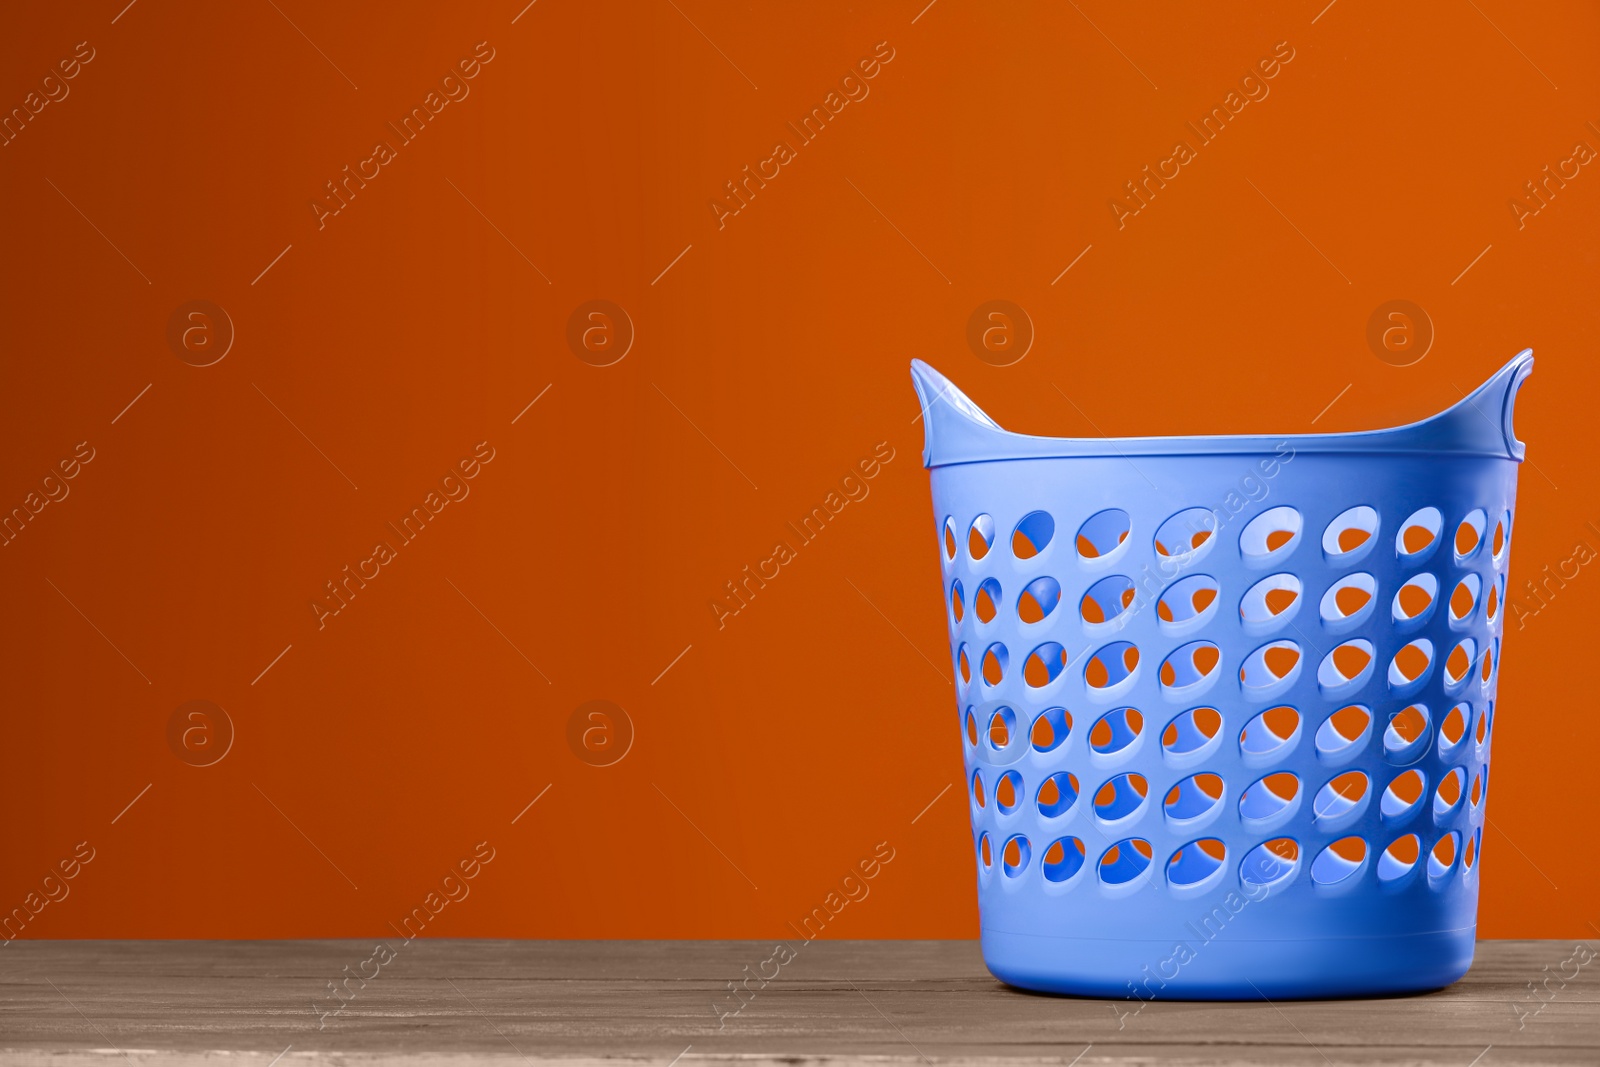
[{"x": 1479, "y": 425}]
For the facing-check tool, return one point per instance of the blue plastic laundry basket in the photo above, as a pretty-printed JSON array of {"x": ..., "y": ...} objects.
[{"x": 1226, "y": 702}]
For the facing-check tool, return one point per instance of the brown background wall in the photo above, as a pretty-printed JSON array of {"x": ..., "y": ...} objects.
[{"x": 374, "y": 349}]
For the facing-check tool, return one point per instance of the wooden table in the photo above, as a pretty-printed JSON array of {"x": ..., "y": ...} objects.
[{"x": 572, "y": 1002}]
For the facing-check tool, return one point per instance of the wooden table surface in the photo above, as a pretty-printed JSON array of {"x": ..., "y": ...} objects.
[{"x": 253, "y": 1004}]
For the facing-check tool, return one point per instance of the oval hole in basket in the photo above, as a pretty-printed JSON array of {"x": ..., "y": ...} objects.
[
  {"x": 1269, "y": 598},
  {"x": 1125, "y": 861},
  {"x": 1411, "y": 662},
  {"x": 972, "y": 728},
  {"x": 1339, "y": 861},
  {"x": 1443, "y": 856},
  {"x": 1414, "y": 600},
  {"x": 1116, "y": 730},
  {"x": 1106, "y": 599},
  {"x": 986, "y": 600},
  {"x": 1345, "y": 663},
  {"x": 1033, "y": 534},
  {"x": 1038, "y": 599},
  {"x": 1272, "y": 534},
  {"x": 1448, "y": 795},
  {"x": 1407, "y": 731},
  {"x": 1270, "y": 731},
  {"x": 1196, "y": 861},
  {"x": 1044, "y": 664},
  {"x": 1190, "y": 665},
  {"x": 1487, "y": 674},
  {"x": 1103, "y": 531},
  {"x": 1404, "y": 794},
  {"x": 1469, "y": 534},
  {"x": 1110, "y": 665},
  {"x": 1491, "y": 604},
  {"x": 1497, "y": 540},
  {"x": 1193, "y": 797},
  {"x": 1002, "y": 724},
  {"x": 949, "y": 538},
  {"x": 1453, "y": 730},
  {"x": 1272, "y": 862},
  {"x": 1050, "y": 729},
  {"x": 1268, "y": 796},
  {"x": 1465, "y": 598},
  {"x": 1481, "y": 735},
  {"x": 1057, "y": 794},
  {"x": 1007, "y": 791},
  {"x": 1349, "y": 531},
  {"x": 1121, "y": 797},
  {"x": 979, "y": 797},
  {"x": 1418, "y": 533},
  {"x": 1348, "y": 597},
  {"x": 980, "y": 536},
  {"x": 1183, "y": 535},
  {"x": 1458, "y": 664},
  {"x": 963, "y": 664},
  {"x": 1063, "y": 859},
  {"x": 1186, "y": 599},
  {"x": 995, "y": 661},
  {"x": 1469, "y": 855},
  {"x": 1191, "y": 731},
  {"x": 1340, "y": 795},
  {"x": 958, "y": 605},
  {"x": 1015, "y": 856},
  {"x": 1269, "y": 665},
  {"x": 1343, "y": 730},
  {"x": 1399, "y": 858},
  {"x": 985, "y": 855}
]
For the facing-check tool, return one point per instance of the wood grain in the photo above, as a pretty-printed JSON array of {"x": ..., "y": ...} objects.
[{"x": 559, "y": 1002}]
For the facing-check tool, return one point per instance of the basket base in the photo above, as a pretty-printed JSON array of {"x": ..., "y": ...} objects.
[{"x": 1144, "y": 970}]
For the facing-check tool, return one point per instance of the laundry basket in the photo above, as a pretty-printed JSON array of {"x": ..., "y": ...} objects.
[{"x": 1226, "y": 702}]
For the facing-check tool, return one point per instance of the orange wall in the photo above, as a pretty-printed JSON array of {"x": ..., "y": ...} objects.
[{"x": 768, "y": 361}]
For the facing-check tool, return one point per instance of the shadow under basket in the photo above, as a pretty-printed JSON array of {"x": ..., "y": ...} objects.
[{"x": 1226, "y": 703}]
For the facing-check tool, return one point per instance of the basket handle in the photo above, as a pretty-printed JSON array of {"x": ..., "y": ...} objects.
[
  {"x": 1523, "y": 366},
  {"x": 954, "y": 428},
  {"x": 1483, "y": 417}
]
